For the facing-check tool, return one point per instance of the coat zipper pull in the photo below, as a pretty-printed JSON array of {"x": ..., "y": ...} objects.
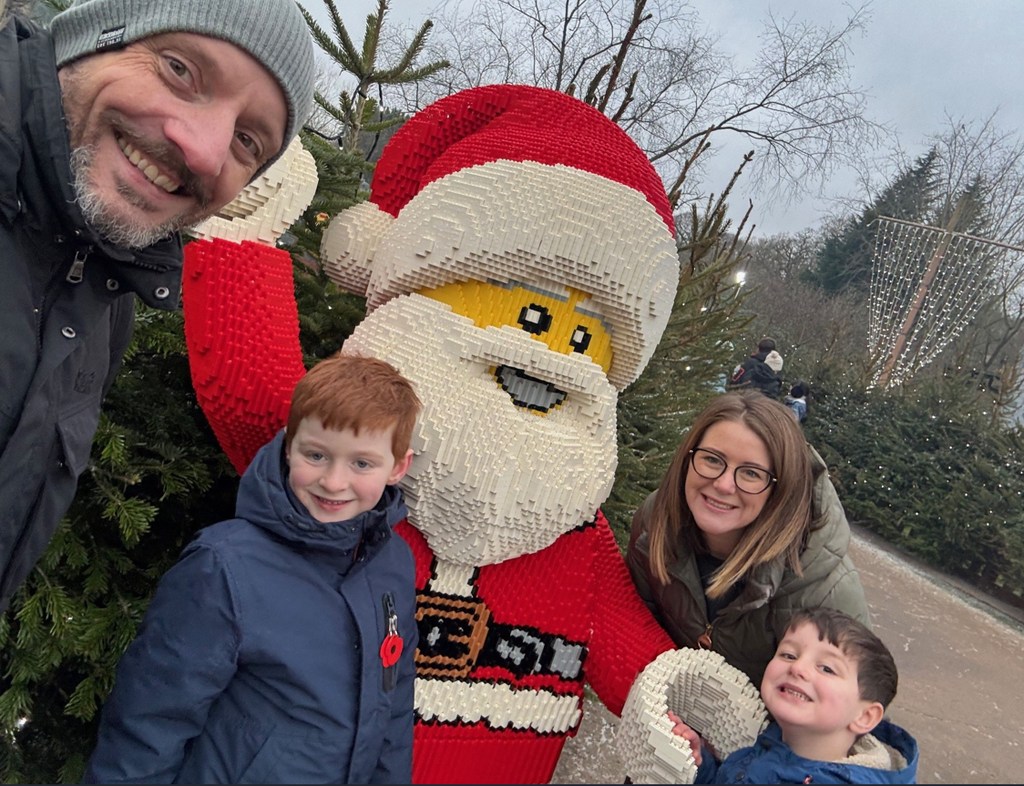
[
  {"x": 704, "y": 639},
  {"x": 77, "y": 269}
]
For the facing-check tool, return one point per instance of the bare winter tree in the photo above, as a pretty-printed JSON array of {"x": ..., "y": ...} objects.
[
  {"x": 982, "y": 157},
  {"x": 821, "y": 336},
  {"x": 652, "y": 66}
]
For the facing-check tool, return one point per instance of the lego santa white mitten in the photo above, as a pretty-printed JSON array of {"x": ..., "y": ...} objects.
[{"x": 714, "y": 699}]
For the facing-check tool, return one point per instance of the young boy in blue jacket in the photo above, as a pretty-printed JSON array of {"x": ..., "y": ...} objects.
[
  {"x": 827, "y": 688},
  {"x": 279, "y": 648}
]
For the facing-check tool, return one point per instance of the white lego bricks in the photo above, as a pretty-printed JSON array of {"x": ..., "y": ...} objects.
[
  {"x": 715, "y": 699},
  {"x": 270, "y": 204},
  {"x": 472, "y": 488},
  {"x": 520, "y": 220}
]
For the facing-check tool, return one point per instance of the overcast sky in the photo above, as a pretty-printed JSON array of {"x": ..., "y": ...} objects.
[{"x": 917, "y": 61}]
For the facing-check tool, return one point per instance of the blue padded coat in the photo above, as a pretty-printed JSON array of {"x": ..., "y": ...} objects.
[
  {"x": 770, "y": 760},
  {"x": 259, "y": 659}
]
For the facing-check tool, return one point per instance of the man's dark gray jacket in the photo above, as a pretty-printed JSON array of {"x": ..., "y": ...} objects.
[{"x": 66, "y": 307}]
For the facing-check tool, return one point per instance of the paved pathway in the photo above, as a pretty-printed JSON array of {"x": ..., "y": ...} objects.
[{"x": 961, "y": 692}]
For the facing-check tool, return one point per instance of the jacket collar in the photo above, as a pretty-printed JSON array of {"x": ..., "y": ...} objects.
[{"x": 264, "y": 499}]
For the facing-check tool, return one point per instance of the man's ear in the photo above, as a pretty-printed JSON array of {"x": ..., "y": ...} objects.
[
  {"x": 869, "y": 716},
  {"x": 401, "y": 467}
]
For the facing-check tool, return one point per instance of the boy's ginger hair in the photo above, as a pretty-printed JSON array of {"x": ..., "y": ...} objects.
[{"x": 354, "y": 392}]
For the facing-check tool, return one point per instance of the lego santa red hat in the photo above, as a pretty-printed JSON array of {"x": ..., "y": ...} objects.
[{"x": 511, "y": 183}]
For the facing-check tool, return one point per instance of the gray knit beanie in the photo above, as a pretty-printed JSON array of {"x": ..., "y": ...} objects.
[{"x": 272, "y": 31}]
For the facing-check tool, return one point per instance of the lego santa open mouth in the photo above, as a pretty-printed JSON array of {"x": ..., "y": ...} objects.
[{"x": 526, "y": 391}]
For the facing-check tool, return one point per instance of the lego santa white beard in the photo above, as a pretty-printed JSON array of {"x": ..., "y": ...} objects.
[{"x": 516, "y": 444}]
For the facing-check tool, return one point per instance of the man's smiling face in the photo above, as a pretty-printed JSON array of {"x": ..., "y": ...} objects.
[{"x": 166, "y": 132}]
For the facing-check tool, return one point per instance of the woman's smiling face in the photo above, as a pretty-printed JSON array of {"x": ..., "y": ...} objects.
[{"x": 721, "y": 510}]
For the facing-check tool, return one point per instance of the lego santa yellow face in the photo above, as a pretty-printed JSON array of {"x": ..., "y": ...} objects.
[
  {"x": 520, "y": 275},
  {"x": 566, "y": 320}
]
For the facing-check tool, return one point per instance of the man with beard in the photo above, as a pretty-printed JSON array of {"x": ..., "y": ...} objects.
[
  {"x": 126, "y": 122},
  {"x": 518, "y": 258}
]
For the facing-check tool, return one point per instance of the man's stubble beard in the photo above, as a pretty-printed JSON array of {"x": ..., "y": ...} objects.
[
  {"x": 103, "y": 215},
  {"x": 106, "y": 220}
]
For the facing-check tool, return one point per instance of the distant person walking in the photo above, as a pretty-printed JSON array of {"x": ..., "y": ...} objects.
[
  {"x": 796, "y": 401},
  {"x": 757, "y": 372}
]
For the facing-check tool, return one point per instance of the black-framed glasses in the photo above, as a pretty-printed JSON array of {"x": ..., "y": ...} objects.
[{"x": 749, "y": 479}]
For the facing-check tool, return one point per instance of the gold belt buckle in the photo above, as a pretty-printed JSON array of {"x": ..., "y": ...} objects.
[{"x": 452, "y": 632}]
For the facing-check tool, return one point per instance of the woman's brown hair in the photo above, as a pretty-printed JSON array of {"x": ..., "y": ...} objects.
[{"x": 780, "y": 529}]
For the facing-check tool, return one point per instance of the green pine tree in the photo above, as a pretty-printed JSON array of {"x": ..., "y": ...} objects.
[
  {"x": 686, "y": 368},
  {"x": 156, "y": 476},
  {"x": 845, "y": 260}
]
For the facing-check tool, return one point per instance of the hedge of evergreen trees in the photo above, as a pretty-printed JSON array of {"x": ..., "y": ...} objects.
[{"x": 928, "y": 470}]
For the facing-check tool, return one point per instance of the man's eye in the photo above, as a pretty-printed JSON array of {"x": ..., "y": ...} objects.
[
  {"x": 248, "y": 143},
  {"x": 178, "y": 68}
]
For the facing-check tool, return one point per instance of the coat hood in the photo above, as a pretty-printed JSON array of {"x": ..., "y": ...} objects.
[
  {"x": 265, "y": 500},
  {"x": 888, "y": 755}
]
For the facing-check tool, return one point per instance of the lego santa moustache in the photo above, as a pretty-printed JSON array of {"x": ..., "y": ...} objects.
[{"x": 517, "y": 255}]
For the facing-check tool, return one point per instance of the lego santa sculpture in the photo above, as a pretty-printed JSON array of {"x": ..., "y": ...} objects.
[{"x": 518, "y": 259}]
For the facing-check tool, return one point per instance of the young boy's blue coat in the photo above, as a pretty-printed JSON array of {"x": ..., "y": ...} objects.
[
  {"x": 770, "y": 760},
  {"x": 259, "y": 660}
]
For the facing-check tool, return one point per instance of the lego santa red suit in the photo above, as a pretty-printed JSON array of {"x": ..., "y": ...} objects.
[{"x": 519, "y": 610}]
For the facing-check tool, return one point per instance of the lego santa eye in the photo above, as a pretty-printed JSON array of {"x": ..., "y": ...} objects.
[
  {"x": 580, "y": 339},
  {"x": 535, "y": 319}
]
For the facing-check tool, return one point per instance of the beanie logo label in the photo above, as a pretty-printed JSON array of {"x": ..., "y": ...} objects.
[{"x": 110, "y": 38}]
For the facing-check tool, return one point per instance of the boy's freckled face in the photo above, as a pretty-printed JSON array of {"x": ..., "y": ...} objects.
[{"x": 337, "y": 474}]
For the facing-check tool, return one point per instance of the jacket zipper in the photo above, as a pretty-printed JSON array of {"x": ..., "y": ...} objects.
[{"x": 77, "y": 269}]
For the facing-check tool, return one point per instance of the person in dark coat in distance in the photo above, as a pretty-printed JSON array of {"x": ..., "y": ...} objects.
[
  {"x": 757, "y": 373},
  {"x": 280, "y": 647},
  {"x": 827, "y": 689},
  {"x": 125, "y": 122}
]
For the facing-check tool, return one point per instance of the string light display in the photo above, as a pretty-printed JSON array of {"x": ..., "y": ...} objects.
[{"x": 927, "y": 284}]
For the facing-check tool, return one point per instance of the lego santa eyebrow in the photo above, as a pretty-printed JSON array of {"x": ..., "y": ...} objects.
[{"x": 561, "y": 294}]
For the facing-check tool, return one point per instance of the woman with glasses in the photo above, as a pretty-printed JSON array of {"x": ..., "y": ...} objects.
[{"x": 744, "y": 529}]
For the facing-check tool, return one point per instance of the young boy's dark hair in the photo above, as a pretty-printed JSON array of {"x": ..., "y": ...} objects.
[
  {"x": 799, "y": 390},
  {"x": 876, "y": 670},
  {"x": 353, "y": 392}
]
